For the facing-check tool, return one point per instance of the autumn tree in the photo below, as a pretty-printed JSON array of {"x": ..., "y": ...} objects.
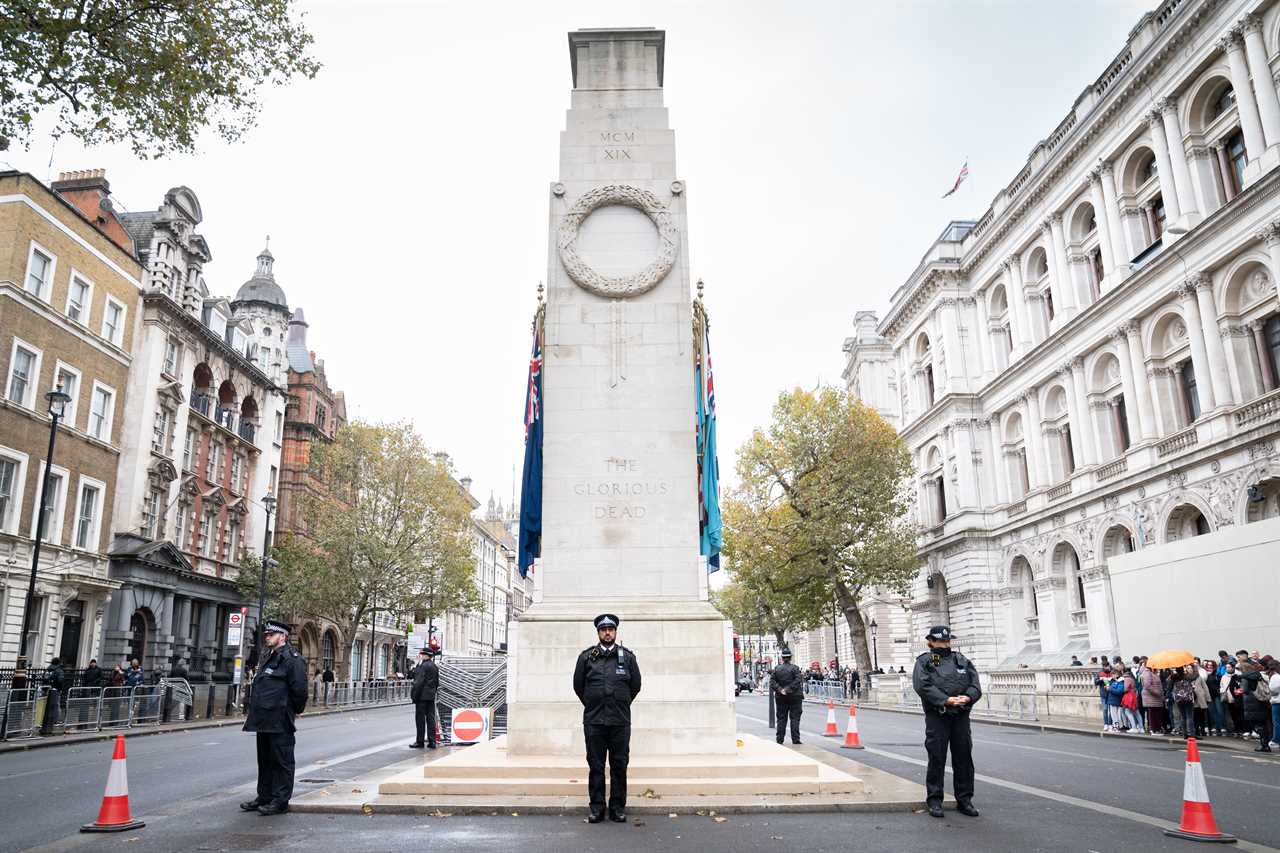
[
  {"x": 154, "y": 73},
  {"x": 391, "y": 530},
  {"x": 821, "y": 513}
]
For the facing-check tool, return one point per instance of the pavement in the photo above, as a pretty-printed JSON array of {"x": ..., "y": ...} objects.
[{"x": 1038, "y": 791}]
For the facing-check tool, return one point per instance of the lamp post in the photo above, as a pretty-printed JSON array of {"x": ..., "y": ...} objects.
[
  {"x": 875, "y": 652},
  {"x": 57, "y": 408},
  {"x": 835, "y": 633},
  {"x": 269, "y": 504}
]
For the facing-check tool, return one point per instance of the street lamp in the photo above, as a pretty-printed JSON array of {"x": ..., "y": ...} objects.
[
  {"x": 269, "y": 504},
  {"x": 875, "y": 652},
  {"x": 58, "y": 400}
]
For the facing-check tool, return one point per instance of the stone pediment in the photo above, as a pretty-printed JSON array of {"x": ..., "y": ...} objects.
[
  {"x": 162, "y": 555},
  {"x": 189, "y": 487},
  {"x": 172, "y": 391},
  {"x": 238, "y": 507},
  {"x": 215, "y": 496},
  {"x": 163, "y": 471}
]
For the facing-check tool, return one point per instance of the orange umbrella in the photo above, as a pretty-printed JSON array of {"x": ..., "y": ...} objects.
[{"x": 1170, "y": 659}]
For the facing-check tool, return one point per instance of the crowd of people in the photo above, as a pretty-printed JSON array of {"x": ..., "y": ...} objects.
[{"x": 1230, "y": 696}]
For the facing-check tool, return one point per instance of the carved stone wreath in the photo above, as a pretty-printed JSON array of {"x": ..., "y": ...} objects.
[{"x": 617, "y": 287}]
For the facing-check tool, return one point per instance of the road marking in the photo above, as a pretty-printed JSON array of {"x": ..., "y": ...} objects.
[{"x": 1103, "y": 808}]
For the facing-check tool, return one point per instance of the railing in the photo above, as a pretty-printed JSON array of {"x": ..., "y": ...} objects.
[
  {"x": 1111, "y": 469},
  {"x": 1178, "y": 442},
  {"x": 1166, "y": 12},
  {"x": 226, "y": 418},
  {"x": 1077, "y": 681},
  {"x": 1016, "y": 509},
  {"x": 828, "y": 689},
  {"x": 1059, "y": 491},
  {"x": 201, "y": 403},
  {"x": 1061, "y": 131},
  {"x": 1011, "y": 682},
  {"x": 473, "y": 682},
  {"x": 1110, "y": 75},
  {"x": 247, "y": 431},
  {"x": 1264, "y": 408}
]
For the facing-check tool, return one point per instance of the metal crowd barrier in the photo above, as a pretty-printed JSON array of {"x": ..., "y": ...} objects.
[
  {"x": 144, "y": 705},
  {"x": 20, "y": 712},
  {"x": 830, "y": 689},
  {"x": 84, "y": 708},
  {"x": 114, "y": 707}
]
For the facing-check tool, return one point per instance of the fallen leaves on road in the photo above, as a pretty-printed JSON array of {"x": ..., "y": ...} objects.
[
  {"x": 672, "y": 814},
  {"x": 438, "y": 813},
  {"x": 701, "y": 812},
  {"x": 720, "y": 819},
  {"x": 639, "y": 822},
  {"x": 649, "y": 794},
  {"x": 367, "y": 809},
  {"x": 515, "y": 814}
]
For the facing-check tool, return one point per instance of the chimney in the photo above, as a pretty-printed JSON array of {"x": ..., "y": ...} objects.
[
  {"x": 85, "y": 179},
  {"x": 88, "y": 192},
  {"x": 466, "y": 484}
]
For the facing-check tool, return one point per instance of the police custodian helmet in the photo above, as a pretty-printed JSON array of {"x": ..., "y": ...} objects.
[
  {"x": 939, "y": 632},
  {"x": 786, "y": 654},
  {"x": 606, "y": 620}
]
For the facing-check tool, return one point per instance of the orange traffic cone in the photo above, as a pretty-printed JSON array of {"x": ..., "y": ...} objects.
[
  {"x": 1197, "y": 814},
  {"x": 831, "y": 730},
  {"x": 114, "y": 815},
  {"x": 851, "y": 739}
]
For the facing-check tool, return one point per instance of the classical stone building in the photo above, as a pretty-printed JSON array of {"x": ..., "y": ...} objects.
[
  {"x": 69, "y": 300},
  {"x": 1091, "y": 366},
  {"x": 201, "y": 446}
]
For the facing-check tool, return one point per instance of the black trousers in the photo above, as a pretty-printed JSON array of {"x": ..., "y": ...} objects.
[
  {"x": 275, "y": 767},
  {"x": 613, "y": 742},
  {"x": 788, "y": 706},
  {"x": 424, "y": 717},
  {"x": 941, "y": 731}
]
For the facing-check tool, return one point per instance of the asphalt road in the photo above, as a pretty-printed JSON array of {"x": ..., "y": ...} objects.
[{"x": 1040, "y": 792}]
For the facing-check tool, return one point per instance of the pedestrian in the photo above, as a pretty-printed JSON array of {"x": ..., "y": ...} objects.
[
  {"x": 1129, "y": 702},
  {"x": 278, "y": 695},
  {"x": 1103, "y": 682},
  {"x": 56, "y": 679},
  {"x": 947, "y": 684},
  {"x": 788, "y": 696},
  {"x": 855, "y": 682},
  {"x": 1183, "y": 691},
  {"x": 1217, "y": 716},
  {"x": 1200, "y": 702},
  {"x": 134, "y": 676},
  {"x": 1257, "y": 703},
  {"x": 178, "y": 669},
  {"x": 1075, "y": 661},
  {"x": 1232, "y": 689},
  {"x": 93, "y": 676},
  {"x": 607, "y": 680},
  {"x": 1273, "y": 684},
  {"x": 426, "y": 681},
  {"x": 1152, "y": 699},
  {"x": 1115, "y": 700}
]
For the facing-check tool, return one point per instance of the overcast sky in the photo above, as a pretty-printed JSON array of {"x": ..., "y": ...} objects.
[{"x": 405, "y": 188}]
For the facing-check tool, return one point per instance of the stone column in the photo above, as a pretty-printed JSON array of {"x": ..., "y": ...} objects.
[
  {"x": 1131, "y": 352},
  {"x": 1135, "y": 223},
  {"x": 982, "y": 335},
  {"x": 1075, "y": 417},
  {"x": 1199, "y": 355},
  {"x": 1035, "y": 445},
  {"x": 184, "y": 640},
  {"x": 1064, "y": 292},
  {"x": 1039, "y": 315},
  {"x": 995, "y": 464},
  {"x": 1022, "y": 340},
  {"x": 1246, "y": 104},
  {"x": 1270, "y": 234},
  {"x": 1081, "y": 278},
  {"x": 1264, "y": 362},
  {"x": 1097, "y": 601},
  {"x": 1203, "y": 285},
  {"x": 1129, "y": 381},
  {"x": 956, "y": 372},
  {"x": 1101, "y": 220},
  {"x": 1164, "y": 168},
  {"x": 1224, "y": 172},
  {"x": 1264, "y": 88},
  {"x": 1178, "y": 154},
  {"x": 1202, "y": 178},
  {"x": 1088, "y": 434},
  {"x": 1109, "y": 197}
]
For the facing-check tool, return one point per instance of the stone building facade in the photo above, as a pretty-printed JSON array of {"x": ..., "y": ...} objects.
[
  {"x": 69, "y": 305},
  {"x": 201, "y": 447},
  {"x": 1091, "y": 366}
]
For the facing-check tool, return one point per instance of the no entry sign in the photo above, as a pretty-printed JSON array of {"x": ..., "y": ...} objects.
[{"x": 470, "y": 725}]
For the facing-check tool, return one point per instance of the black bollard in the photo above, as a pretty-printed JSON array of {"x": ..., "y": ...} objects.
[
  {"x": 208, "y": 708},
  {"x": 226, "y": 711},
  {"x": 164, "y": 704},
  {"x": 773, "y": 725}
]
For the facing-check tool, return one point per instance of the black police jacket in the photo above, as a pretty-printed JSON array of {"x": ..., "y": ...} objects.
[
  {"x": 941, "y": 674},
  {"x": 279, "y": 692},
  {"x": 426, "y": 681},
  {"x": 606, "y": 683},
  {"x": 787, "y": 680}
]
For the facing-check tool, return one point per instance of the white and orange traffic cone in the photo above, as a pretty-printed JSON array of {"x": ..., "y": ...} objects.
[
  {"x": 1197, "y": 813},
  {"x": 831, "y": 730},
  {"x": 114, "y": 815},
  {"x": 851, "y": 739}
]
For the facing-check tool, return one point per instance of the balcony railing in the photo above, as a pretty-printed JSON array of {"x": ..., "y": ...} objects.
[
  {"x": 1112, "y": 469},
  {"x": 1264, "y": 408},
  {"x": 226, "y": 418},
  {"x": 247, "y": 431},
  {"x": 1178, "y": 442},
  {"x": 1060, "y": 491},
  {"x": 1017, "y": 508},
  {"x": 202, "y": 403}
]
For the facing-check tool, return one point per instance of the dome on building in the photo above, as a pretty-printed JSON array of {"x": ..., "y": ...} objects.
[{"x": 262, "y": 287}]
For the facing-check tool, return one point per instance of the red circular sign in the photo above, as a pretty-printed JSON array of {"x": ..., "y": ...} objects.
[{"x": 468, "y": 725}]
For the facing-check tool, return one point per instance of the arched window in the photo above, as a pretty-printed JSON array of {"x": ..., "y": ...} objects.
[
  {"x": 1148, "y": 169},
  {"x": 1225, "y": 101},
  {"x": 327, "y": 651},
  {"x": 1185, "y": 522},
  {"x": 138, "y": 637}
]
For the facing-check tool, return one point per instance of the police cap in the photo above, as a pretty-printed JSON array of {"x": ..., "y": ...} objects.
[
  {"x": 606, "y": 620},
  {"x": 939, "y": 632},
  {"x": 786, "y": 654},
  {"x": 271, "y": 626}
]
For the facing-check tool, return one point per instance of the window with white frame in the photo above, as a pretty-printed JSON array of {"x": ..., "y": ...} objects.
[
  {"x": 13, "y": 466},
  {"x": 237, "y": 471},
  {"x": 213, "y": 462},
  {"x": 162, "y": 430},
  {"x": 88, "y": 513},
  {"x": 55, "y": 503},
  {"x": 113, "y": 315},
  {"x": 24, "y": 368},
  {"x": 67, "y": 378},
  {"x": 102, "y": 411},
  {"x": 279, "y": 426},
  {"x": 79, "y": 298},
  {"x": 154, "y": 513},
  {"x": 180, "y": 524},
  {"x": 232, "y": 553},
  {"x": 40, "y": 266},
  {"x": 172, "y": 357},
  {"x": 189, "y": 451},
  {"x": 208, "y": 522}
]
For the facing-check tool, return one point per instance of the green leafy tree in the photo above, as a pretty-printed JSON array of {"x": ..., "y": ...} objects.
[
  {"x": 155, "y": 73},
  {"x": 392, "y": 531},
  {"x": 821, "y": 514}
]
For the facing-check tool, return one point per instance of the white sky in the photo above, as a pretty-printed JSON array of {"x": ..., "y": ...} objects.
[{"x": 405, "y": 188}]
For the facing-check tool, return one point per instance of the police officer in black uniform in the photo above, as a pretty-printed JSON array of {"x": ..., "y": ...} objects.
[
  {"x": 788, "y": 695},
  {"x": 948, "y": 686},
  {"x": 426, "y": 682},
  {"x": 279, "y": 693},
  {"x": 607, "y": 680}
]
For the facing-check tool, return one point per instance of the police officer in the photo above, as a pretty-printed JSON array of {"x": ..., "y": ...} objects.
[
  {"x": 948, "y": 686},
  {"x": 788, "y": 695},
  {"x": 279, "y": 693},
  {"x": 426, "y": 681},
  {"x": 607, "y": 680}
]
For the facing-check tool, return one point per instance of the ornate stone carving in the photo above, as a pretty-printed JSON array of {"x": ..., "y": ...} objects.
[
  {"x": 1201, "y": 152},
  {"x": 1106, "y": 167},
  {"x": 1222, "y": 500},
  {"x": 618, "y": 286},
  {"x": 1167, "y": 105},
  {"x": 1269, "y": 234},
  {"x": 1215, "y": 466},
  {"x": 1110, "y": 502},
  {"x": 1177, "y": 330},
  {"x": 1145, "y": 522},
  {"x": 1200, "y": 280},
  {"x": 1094, "y": 573},
  {"x": 1077, "y": 258},
  {"x": 1261, "y": 450},
  {"x": 1250, "y": 23},
  {"x": 1230, "y": 41},
  {"x": 1176, "y": 480}
]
